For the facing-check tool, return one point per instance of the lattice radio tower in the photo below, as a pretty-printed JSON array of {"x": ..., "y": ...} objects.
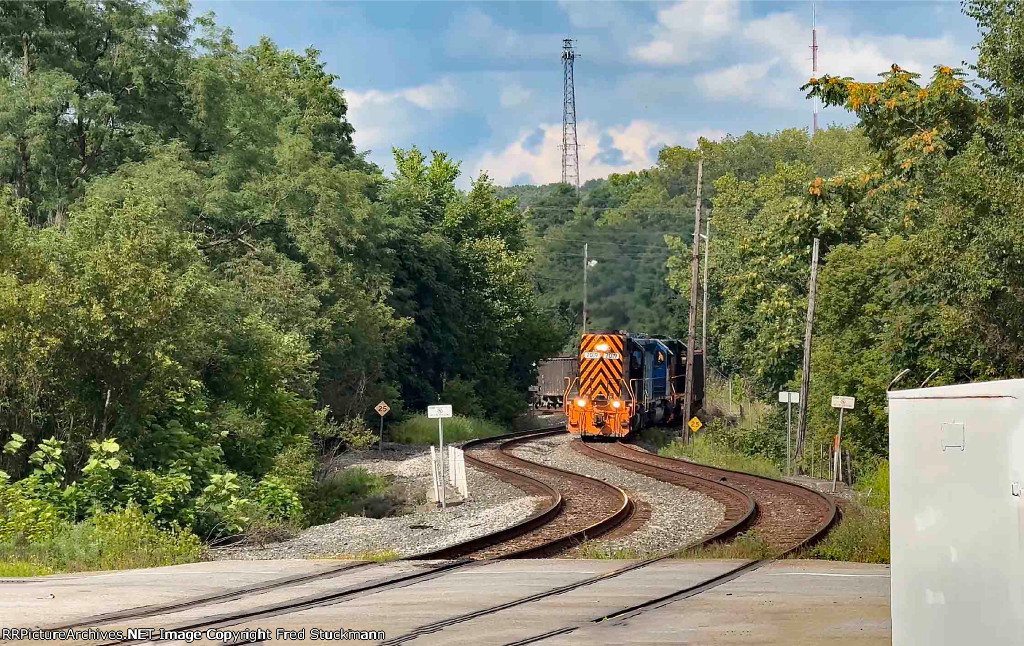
[
  {"x": 814, "y": 70},
  {"x": 570, "y": 146}
]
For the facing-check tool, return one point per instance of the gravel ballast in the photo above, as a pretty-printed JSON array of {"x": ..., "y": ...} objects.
[
  {"x": 679, "y": 516},
  {"x": 492, "y": 505}
]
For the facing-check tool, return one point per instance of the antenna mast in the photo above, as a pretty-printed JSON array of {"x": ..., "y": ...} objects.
[
  {"x": 814, "y": 69},
  {"x": 570, "y": 147}
]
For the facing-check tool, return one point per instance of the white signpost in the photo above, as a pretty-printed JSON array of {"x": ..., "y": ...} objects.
[
  {"x": 789, "y": 398},
  {"x": 440, "y": 412},
  {"x": 843, "y": 404}
]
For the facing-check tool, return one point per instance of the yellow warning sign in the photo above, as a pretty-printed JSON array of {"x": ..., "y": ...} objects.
[
  {"x": 694, "y": 424},
  {"x": 382, "y": 408}
]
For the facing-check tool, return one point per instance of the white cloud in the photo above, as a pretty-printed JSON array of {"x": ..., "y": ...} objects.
[
  {"x": 637, "y": 141},
  {"x": 473, "y": 33},
  {"x": 686, "y": 31},
  {"x": 514, "y": 95},
  {"x": 779, "y": 42},
  {"x": 387, "y": 118}
]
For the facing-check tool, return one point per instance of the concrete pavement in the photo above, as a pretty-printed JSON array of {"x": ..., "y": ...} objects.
[{"x": 785, "y": 602}]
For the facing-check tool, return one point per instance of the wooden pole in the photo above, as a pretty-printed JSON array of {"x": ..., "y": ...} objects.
[
  {"x": 805, "y": 381},
  {"x": 704, "y": 313},
  {"x": 691, "y": 332}
]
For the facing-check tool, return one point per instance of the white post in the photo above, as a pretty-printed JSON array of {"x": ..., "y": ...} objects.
[
  {"x": 440, "y": 457},
  {"x": 789, "y": 432},
  {"x": 433, "y": 473},
  {"x": 835, "y": 471},
  {"x": 730, "y": 395}
]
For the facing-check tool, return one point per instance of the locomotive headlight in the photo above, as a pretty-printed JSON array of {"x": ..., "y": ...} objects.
[
  {"x": 601, "y": 347},
  {"x": 616, "y": 404},
  {"x": 582, "y": 403}
]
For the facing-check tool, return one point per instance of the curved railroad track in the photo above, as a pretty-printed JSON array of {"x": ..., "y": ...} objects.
[
  {"x": 579, "y": 507},
  {"x": 576, "y": 508},
  {"x": 789, "y": 516}
]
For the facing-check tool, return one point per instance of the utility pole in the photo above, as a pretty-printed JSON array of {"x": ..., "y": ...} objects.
[
  {"x": 586, "y": 261},
  {"x": 694, "y": 286},
  {"x": 805, "y": 381},
  {"x": 814, "y": 70},
  {"x": 704, "y": 315},
  {"x": 570, "y": 146}
]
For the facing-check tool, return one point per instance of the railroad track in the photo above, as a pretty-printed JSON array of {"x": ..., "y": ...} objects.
[
  {"x": 576, "y": 508},
  {"x": 788, "y": 516},
  {"x": 741, "y": 494}
]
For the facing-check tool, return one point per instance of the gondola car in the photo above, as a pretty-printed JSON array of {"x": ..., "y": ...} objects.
[
  {"x": 552, "y": 376},
  {"x": 629, "y": 381}
]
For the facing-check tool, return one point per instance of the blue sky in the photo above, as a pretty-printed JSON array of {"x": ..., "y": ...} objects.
[{"x": 483, "y": 80}]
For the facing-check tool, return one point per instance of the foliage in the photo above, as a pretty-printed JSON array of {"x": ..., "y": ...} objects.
[
  {"x": 748, "y": 545},
  {"x": 204, "y": 287},
  {"x": 116, "y": 540},
  {"x": 861, "y": 536},
  {"x": 421, "y": 430},
  {"x": 352, "y": 492},
  {"x": 714, "y": 449}
]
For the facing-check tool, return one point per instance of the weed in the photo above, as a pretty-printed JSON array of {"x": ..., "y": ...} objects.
[
  {"x": 377, "y": 556},
  {"x": 352, "y": 492},
  {"x": 594, "y": 550},
  {"x": 118, "y": 540},
  {"x": 705, "y": 450},
  {"x": 421, "y": 430},
  {"x": 748, "y": 545},
  {"x": 861, "y": 536},
  {"x": 23, "y": 569}
]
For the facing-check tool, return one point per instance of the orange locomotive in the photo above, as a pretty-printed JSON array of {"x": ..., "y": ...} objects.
[{"x": 627, "y": 382}]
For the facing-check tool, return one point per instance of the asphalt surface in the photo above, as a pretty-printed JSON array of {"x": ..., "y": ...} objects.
[{"x": 784, "y": 602}]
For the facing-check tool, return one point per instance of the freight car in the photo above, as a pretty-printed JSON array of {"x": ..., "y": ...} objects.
[
  {"x": 626, "y": 382},
  {"x": 552, "y": 376}
]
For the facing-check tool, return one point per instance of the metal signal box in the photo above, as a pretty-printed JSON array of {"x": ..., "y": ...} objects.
[{"x": 957, "y": 514}]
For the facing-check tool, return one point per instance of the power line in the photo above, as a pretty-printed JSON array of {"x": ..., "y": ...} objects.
[{"x": 617, "y": 244}]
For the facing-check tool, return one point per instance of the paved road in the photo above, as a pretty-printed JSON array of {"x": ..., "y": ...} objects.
[{"x": 786, "y": 602}]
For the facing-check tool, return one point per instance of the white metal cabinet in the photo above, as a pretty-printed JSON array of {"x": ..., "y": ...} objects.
[{"x": 957, "y": 514}]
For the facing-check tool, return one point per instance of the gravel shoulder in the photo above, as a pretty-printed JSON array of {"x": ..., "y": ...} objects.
[
  {"x": 492, "y": 505},
  {"x": 678, "y": 516}
]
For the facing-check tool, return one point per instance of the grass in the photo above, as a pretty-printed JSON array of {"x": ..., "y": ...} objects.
[
  {"x": 863, "y": 533},
  {"x": 420, "y": 430},
  {"x": 748, "y": 545},
  {"x": 377, "y": 556},
  {"x": 594, "y": 550},
  {"x": 120, "y": 540},
  {"x": 704, "y": 450},
  {"x": 23, "y": 569},
  {"x": 352, "y": 492},
  {"x": 861, "y": 536}
]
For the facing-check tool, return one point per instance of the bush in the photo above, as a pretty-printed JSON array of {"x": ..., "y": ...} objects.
[
  {"x": 122, "y": 539},
  {"x": 421, "y": 430},
  {"x": 352, "y": 492},
  {"x": 874, "y": 486},
  {"x": 707, "y": 449},
  {"x": 862, "y": 536}
]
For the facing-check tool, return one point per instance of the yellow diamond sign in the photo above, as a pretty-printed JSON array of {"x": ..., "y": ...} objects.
[
  {"x": 694, "y": 424},
  {"x": 382, "y": 408}
]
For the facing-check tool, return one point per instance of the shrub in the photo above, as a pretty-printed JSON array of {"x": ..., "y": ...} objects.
[
  {"x": 122, "y": 539},
  {"x": 352, "y": 492},
  {"x": 707, "y": 449},
  {"x": 862, "y": 536},
  {"x": 874, "y": 486},
  {"x": 421, "y": 430}
]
